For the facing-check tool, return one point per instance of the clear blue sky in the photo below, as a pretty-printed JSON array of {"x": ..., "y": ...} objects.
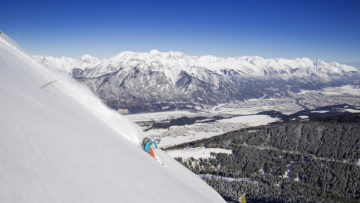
[{"x": 328, "y": 30}]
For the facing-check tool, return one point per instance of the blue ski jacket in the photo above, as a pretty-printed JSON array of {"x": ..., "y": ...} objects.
[{"x": 148, "y": 144}]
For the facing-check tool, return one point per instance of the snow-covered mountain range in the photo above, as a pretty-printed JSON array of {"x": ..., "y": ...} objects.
[
  {"x": 59, "y": 143},
  {"x": 156, "y": 80}
]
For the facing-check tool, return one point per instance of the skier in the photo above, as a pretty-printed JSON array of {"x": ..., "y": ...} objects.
[{"x": 148, "y": 146}]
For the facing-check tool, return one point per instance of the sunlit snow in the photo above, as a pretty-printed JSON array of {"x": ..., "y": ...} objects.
[
  {"x": 197, "y": 153},
  {"x": 60, "y": 144}
]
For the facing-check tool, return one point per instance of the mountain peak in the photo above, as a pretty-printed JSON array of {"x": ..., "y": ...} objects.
[
  {"x": 175, "y": 62},
  {"x": 87, "y": 58},
  {"x": 155, "y": 52}
]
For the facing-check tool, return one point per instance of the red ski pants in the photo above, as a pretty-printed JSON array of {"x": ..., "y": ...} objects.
[{"x": 152, "y": 153}]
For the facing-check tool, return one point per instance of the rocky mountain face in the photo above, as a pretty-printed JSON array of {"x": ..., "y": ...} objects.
[
  {"x": 172, "y": 80},
  {"x": 312, "y": 161}
]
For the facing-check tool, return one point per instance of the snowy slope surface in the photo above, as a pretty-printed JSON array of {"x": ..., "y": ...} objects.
[
  {"x": 55, "y": 148},
  {"x": 172, "y": 63}
]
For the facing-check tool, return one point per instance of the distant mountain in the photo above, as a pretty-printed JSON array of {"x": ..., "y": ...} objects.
[{"x": 158, "y": 80}]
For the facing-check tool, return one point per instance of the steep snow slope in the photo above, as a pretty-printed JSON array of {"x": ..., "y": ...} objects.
[{"x": 56, "y": 149}]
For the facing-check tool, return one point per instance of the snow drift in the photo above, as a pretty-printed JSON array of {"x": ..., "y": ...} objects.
[{"x": 60, "y": 144}]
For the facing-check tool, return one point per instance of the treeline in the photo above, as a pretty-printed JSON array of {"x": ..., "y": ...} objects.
[{"x": 310, "y": 161}]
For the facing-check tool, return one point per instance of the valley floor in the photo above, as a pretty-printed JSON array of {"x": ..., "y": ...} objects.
[
  {"x": 195, "y": 138},
  {"x": 176, "y": 127}
]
